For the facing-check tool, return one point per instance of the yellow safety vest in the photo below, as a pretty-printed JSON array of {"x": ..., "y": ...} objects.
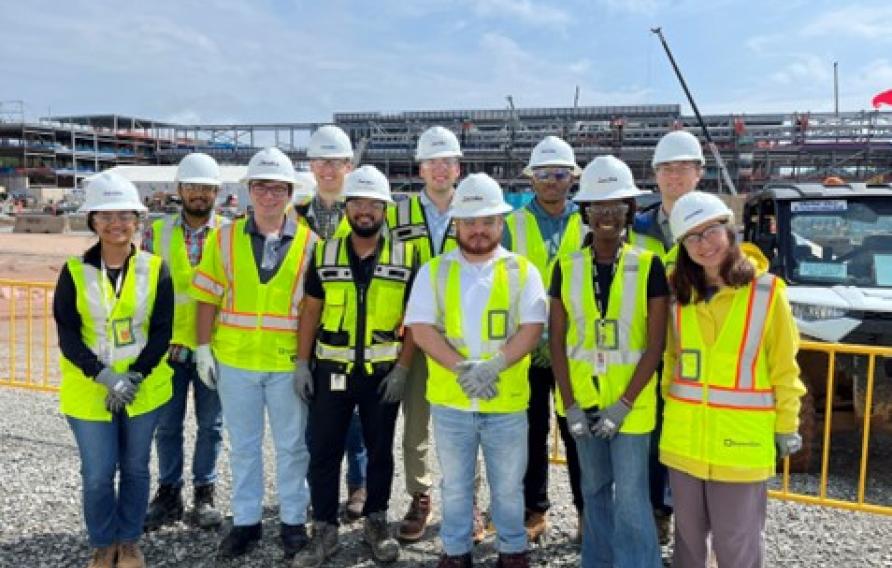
[
  {"x": 407, "y": 223},
  {"x": 654, "y": 245},
  {"x": 384, "y": 301},
  {"x": 526, "y": 240},
  {"x": 343, "y": 229},
  {"x": 257, "y": 323},
  {"x": 618, "y": 337},
  {"x": 117, "y": 337},
  {"x": 499, "y": 323},
  {"x": 720, "y": 409}
]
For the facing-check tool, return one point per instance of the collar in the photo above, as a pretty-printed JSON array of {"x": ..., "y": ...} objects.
[
  {"x": 288, "y": 229},
  {"x": 212, "y": 223},
  {"x": 428, "y": 203}
]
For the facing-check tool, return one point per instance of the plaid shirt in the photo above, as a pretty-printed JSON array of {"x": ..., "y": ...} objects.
[
  {"x": 324, "y": 220},
  {"x": 194, "y": 237}
]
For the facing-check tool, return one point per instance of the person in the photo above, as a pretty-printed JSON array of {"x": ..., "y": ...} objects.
[
  {"x": 731, "y": 385},
  {"x": 179, "y": 240},
  {"x": 607, "y": 331},
  {"x": 424, "y": 221},
  {"x": 477, "y": 313},
  {"x": 548, "y": 226},
  {"x": 113, "y": 309},
  {"x": 678, "y": 166},
  {"x": 249, "y": 294},
  {"x": 355, "y": 293}
]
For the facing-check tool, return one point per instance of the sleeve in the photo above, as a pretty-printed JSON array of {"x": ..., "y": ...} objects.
[
  {"x": 160, "y": 326},
  {"x": 781, "y": 344},
  {"x": 148, "y": 238},
  {"x": 209, "y": 282},
  {"x": 422, "y": 307},
  {"x": 533, "y": 301},
  {"x": 68, "y": 326},
  {"x": 657, "y": 285},
  {"x": 313, "y": 285},
  {"x": 555, "y": 289}
]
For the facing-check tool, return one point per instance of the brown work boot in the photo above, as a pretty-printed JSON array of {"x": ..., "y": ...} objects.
[
  {"x": 130, "y": 556},
  {"x": 517, "y": 560},
  {"x": 461, "y": 561},
  {"x": 103, "y": 557},
  {"x": 415, "y": 521},
  {"x": 355, "y": 502},
  {"x": 536, "y": 525},
  {"x": 479, "y": 530}
]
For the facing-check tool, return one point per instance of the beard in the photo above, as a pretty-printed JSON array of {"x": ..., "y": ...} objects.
[
  {"x": 199, "y": 211},
  {"x": 365, "y": 231},
  {"x": 485, "y": 247}
]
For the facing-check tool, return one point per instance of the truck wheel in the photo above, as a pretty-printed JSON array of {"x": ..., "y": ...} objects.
[{"x": 801, "y": 461}]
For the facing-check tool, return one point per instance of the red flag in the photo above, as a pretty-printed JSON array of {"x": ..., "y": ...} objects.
[{"x": 884, "y": 98}]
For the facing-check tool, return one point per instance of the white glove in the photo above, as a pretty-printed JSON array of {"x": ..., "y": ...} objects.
[
  {"x": 206, "y": 366},
  {"x": 787, "y": 444}
]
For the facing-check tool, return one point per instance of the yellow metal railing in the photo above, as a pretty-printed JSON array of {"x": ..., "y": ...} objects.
[{"x": 22, "y": 304}]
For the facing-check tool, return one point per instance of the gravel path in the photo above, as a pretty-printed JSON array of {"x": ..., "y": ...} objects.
[{"x": 40, "y": 515}]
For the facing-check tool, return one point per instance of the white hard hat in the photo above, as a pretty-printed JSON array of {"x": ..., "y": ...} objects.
[
  {"x": 329, "y": 142},
  {"x": 696, "y": 208},
  {"x": 551, "y": 151},
  {"x": 478, "y": 195},
  {"x": 270, "y": 164},
  {"x": 678, "y": 146},
  {"x": 437, "y": 142},
  {"x": 368, "y": 182},
  {"x": 108, "y": 191},
  {"x": 606, "y": 178},
  {"x": 198, "y": 168},
  {"x": 304, "y": 187}
]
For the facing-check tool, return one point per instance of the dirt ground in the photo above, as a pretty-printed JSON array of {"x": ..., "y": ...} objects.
[{"x": 38, "y": 258}]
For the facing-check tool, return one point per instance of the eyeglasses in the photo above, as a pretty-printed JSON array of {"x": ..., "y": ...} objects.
[
  {"x": 111, "y": 216},
  {"x": 197, "y": 188},
  {"x": 710, "y": 233},
  {"x": 440, "y": 162},
  {"x": 365, "y": 204},
  {"x": 677, "y": 168},
  {"x": 333, "y": 163},
  {"x": 557, "y": 174},
  {"x": 607, "y": 210},
  {"x": 273, "y": 189}
]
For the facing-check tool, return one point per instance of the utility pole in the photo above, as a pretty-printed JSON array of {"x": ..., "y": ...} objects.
[
  {"x": 576, "y": 98},
  {"x": 836, "y": 88}
]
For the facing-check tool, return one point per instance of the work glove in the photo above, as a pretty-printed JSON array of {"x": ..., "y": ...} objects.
[
  {"x": 113, "y": 404},
  {"x": 787, "y": 444},
  {"x": 118, "y": 385},
  {"x": 477, "y": 382},
  {"x": 393, "y": 384},
  {"x": 541, "y": 356},
  {"x": 577, "y": 422},
  {"x": 206, "y": 366},
  {"x": 303, "y": 381},
  {"x": 610, "y": 419}
]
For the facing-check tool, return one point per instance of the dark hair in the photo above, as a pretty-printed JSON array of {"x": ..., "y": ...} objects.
[{"x": 688, "y": 281}]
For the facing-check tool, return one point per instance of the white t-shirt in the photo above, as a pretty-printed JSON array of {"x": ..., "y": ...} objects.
[{"x": 476, "y": 283}]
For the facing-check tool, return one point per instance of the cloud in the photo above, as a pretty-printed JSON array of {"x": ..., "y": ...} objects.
[
  {"x": 861, "y": 21},
  {"x": 524, "y": 11}
]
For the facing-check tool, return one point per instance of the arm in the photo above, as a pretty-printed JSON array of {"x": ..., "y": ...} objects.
[
  {"x": 522, "y": 343},
  {"x": 408, "y": 350},
  {"x": 557, "y": 333},
  {"x": 310, "y": 314},
  {"x": 432, "y": 342},
  {"x": 160, "y": 326},
  {"x": 781, "y": 344},
  {"x": 204, "y": 318},
  {"x": 68, "y": 326}
]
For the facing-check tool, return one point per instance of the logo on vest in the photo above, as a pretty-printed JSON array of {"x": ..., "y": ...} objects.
[{"x": 729, "y": 443}]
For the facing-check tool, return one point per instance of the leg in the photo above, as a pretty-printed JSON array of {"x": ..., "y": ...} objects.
[
  {"x": 208, "y": 441},
  {"x": 572, "y": 462},
  {"x": 241, "y": 397},
  {"x": 535, "y": 480},
  {"x": 133, "y": 487},
  {"x": 97, "y": 444},
  {"x": 378, "y": 425},
  {"x": 635, "y": 542},
  {"x": 506, "y": 462},
  {"x": 416, "y": 438},
  {"x": 597, "y": 491},
  {"x": 169, "y": 436},
  {"x": 288, "y": 425},
  {"x": 357, "y": 457},
  {"x": 457, "y": 439},
  {"x": 737, "y": 514},
  {"x": 659, "y": 475},
  {"x": 691, "y": 520}
]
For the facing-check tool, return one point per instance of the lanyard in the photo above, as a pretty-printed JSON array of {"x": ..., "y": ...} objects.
[
  {"x": 118, "y": 283},
  {"x": 600, "y": 297}
]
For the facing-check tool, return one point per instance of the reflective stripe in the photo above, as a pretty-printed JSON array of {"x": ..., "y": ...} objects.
[
  {"x": 404, "y": 212},
  {"x": 513, "y": 268},
  {"x": 330, "y": 252},
  {"x": 759, "y": 302},
  {"x": 614, "y": 357},
  {"x": 577, "y": 308},
  {"x": 226, "y": 252},
  {"x": 335, "y": 274},
  {"x": 251, "y": 321},
  {"x": 520, "y": 232},
  {"x": 203, "y": 281},
  {"x": 397, "y": 253},
  {"x": 182, "y": 299},
  {"x": 627, "y": 305},
  {"x": 409, "y": 232},
  {"x": 752, "y": 400},
  {"x": 166, "y": 236},
  {"x": 440, "y": 293},
  {"x": 373, "y": 353},
  {"x": 390, "y": 272}
]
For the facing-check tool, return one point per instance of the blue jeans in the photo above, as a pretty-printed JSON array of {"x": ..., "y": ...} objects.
[
  {"x": 107, "y": 448},
  {"x": 245, "y": 395},
  {"x": 459, "y": 435},
  {"x": 169, "y": 436},
  {"x": 619, "y": 528}
]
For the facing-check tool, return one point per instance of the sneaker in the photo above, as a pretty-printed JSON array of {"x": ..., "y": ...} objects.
[
  {"x": 103, "y": 557},
  {"x": 663, "y": 520},
  {"x": 384, "y": 547},
  {"x": 518, "y": 560},
  {"x": 415, "y": 521},
  {"x": 321, "y": 547},
  {"x": 204, "y": 514},
  {"x": 535, "y": 525},
  {"x": 130, "y": 556},
  {"x": 462, "y": 561},
  {"x": 479, "y": 528},
  {"x": 240, "y": 540},
  {"x": 294, "y": 539},
  {"x": 355, "y": 503},
  {"x": 165, "y": 509}
]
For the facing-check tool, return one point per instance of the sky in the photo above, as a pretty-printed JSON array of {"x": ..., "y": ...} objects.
[{"x": 241, "y": 61}]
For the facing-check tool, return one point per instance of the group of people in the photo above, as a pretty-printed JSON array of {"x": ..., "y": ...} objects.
[{"x": 668, "y": 350}]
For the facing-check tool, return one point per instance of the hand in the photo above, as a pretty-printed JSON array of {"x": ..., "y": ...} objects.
[
  {"x": 577, "y": 422},
  {"x": 118, "y": 385},
  {"x": 206, "y": 366},
  {"x": 484, "y": 372},
  {"x": 787, "y": 444},
  {"x": 471, "y": 382},
  {"x": 303, "y": 381},
  {"x": 393, "y": 384},
  {"x": 610, "y": 420},
  {"x": 113, "y": 404}
]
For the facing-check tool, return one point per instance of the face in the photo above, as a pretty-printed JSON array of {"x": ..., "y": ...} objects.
[
  {"x": 198, "y": 199},
  {"x": 678, "y": 178},
  {"x": 330, "y": 173},
  {"x": 551, "y": 184},
  {"x": 115, "y": 227},
  {"x": 439, "y": 174},
  {"x": 708, "y": 244},
  {"x": 366, "y": 216},
  {"x": 269, "y": 197},
  {"x": 479, "y": 235},
  {"x": 607, "y": 219}
]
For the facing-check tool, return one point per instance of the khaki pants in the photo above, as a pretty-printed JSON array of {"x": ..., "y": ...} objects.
[{"x": 416, "y": 422}]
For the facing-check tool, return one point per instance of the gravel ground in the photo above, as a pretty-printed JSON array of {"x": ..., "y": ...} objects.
[{"x": 41, "y": 525}]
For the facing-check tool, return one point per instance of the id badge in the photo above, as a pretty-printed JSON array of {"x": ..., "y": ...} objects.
[
  {"x": 607, "y": 334},
  {"x": 122, "y": 330},
  {"x": 600, "y": 362},
  {"x": 338, "y": 382}
]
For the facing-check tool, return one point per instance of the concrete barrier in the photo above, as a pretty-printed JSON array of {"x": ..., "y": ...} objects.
[
  {"x": 40, "y": 224},
  {"x": 77, "y": 222}
]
